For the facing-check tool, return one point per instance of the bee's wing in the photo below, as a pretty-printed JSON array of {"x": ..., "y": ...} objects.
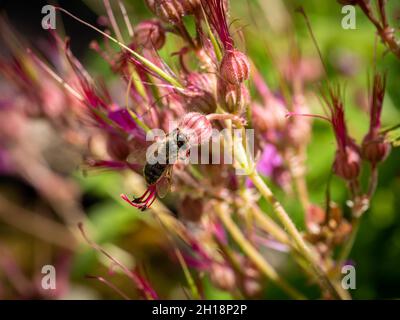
[
  {"x": 138, "y": 154},
  {"x": 164, "y": 185}
]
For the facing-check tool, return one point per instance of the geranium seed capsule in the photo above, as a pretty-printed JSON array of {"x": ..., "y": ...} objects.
[
  {"x": 347, "y": 163},
  {"x": 374, "y": 148},
  {"x": 170, "y": 11},
  {"x": 196, "y": 127},
  {"x": 235, "y": 67},
  {"x": 190, "y": 6},
  {"x": 150, "y": 34},
  {"x": 235, "y": 98}
]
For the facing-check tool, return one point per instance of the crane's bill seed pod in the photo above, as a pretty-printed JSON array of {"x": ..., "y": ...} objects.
[
  {"x": 196, "y": 127},
  {"x": 235, "y": 67},
  {"x": 347, "y": 163}
]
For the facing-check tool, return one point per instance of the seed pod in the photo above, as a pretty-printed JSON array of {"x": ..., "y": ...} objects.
[
  {"x": 150, "y": 34},
  {"x": 235, "y": 67},
  {"x": 190, "y": 6},
  {"x": 234, "y": 98},
  {"x": 347, "y": 163},
  {"x": 196, "y": 127},
  {"x": 172, "y": 11},
  {"x": 374, "y": 149}
]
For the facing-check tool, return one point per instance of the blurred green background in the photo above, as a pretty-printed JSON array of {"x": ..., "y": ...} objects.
[{"x": 376, "y": 253}]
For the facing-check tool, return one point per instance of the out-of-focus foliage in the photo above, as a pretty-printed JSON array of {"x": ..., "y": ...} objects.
[{"x": 349, "y": 56}]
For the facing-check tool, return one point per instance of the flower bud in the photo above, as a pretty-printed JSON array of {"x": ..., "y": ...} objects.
[
  {"x": 235, "y": 67},
  {"x": 347, "y": 163},
  {"x": 374, "y": 148},
  {"x": 222, "y": 277},
  {"x": 150, "y": 34},
  {"x": 252, "y": 287},
  {"x": 196, "y": 127}
]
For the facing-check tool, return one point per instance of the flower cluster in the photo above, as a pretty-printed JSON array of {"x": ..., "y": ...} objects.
[{"x": 207, "y": 89}]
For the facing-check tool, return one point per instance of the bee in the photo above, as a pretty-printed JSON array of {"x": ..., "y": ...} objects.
[
  {"x": 158, "y": 172},
  {"x": 193, "y": 129},
  {"x": 172, "y": 148}
]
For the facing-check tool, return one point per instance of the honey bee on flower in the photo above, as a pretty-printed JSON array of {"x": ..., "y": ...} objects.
[{"x": 193, "y": 130}]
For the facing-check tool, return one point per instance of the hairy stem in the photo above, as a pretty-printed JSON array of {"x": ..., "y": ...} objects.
[
  {"x": 294, "y": 233},
  {"x": 254, "y": 255}
]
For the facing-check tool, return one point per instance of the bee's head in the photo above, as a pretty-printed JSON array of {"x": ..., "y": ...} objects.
[
  {"x": 181, "y": 140},
  {"x": 180, "y": 147}
]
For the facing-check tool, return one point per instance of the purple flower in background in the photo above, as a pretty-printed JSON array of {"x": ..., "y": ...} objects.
[{"x": 269, "y": 162}]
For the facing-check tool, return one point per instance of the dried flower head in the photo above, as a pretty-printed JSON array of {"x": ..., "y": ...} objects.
[
  {"x": 374, "y": 147},
  {"x": 347, "y": 159}
]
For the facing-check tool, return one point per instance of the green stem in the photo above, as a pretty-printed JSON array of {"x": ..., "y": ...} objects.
[
  {"x": 142, "y": 59},
  {"x": 346, "y": 250},
  {"x": 254, "y": 255},
  {"x": 294, "y": 233},
  {"x": 267, "y": 224}
]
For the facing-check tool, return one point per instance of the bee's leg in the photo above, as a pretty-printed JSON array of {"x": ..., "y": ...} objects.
[
  {"x": 152, "y": 201},
  {"x": 140, "y": 199}
]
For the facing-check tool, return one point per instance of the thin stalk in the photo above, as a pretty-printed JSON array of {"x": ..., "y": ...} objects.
[
  {"x": 294, "y": 233},
  {"x": 296, "y": 165},
  {"x": 217, "y": 48},
  {"x": 254, "y": 255},
  {"x": 188, "y": 276},
  {"x": 112, "y": 19},
  {"x": 346, "y": 250},
  {"x": 126, "y": 18},
  {"x": 269, "y": 225},
  {"x": 170, "y": 79}
]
